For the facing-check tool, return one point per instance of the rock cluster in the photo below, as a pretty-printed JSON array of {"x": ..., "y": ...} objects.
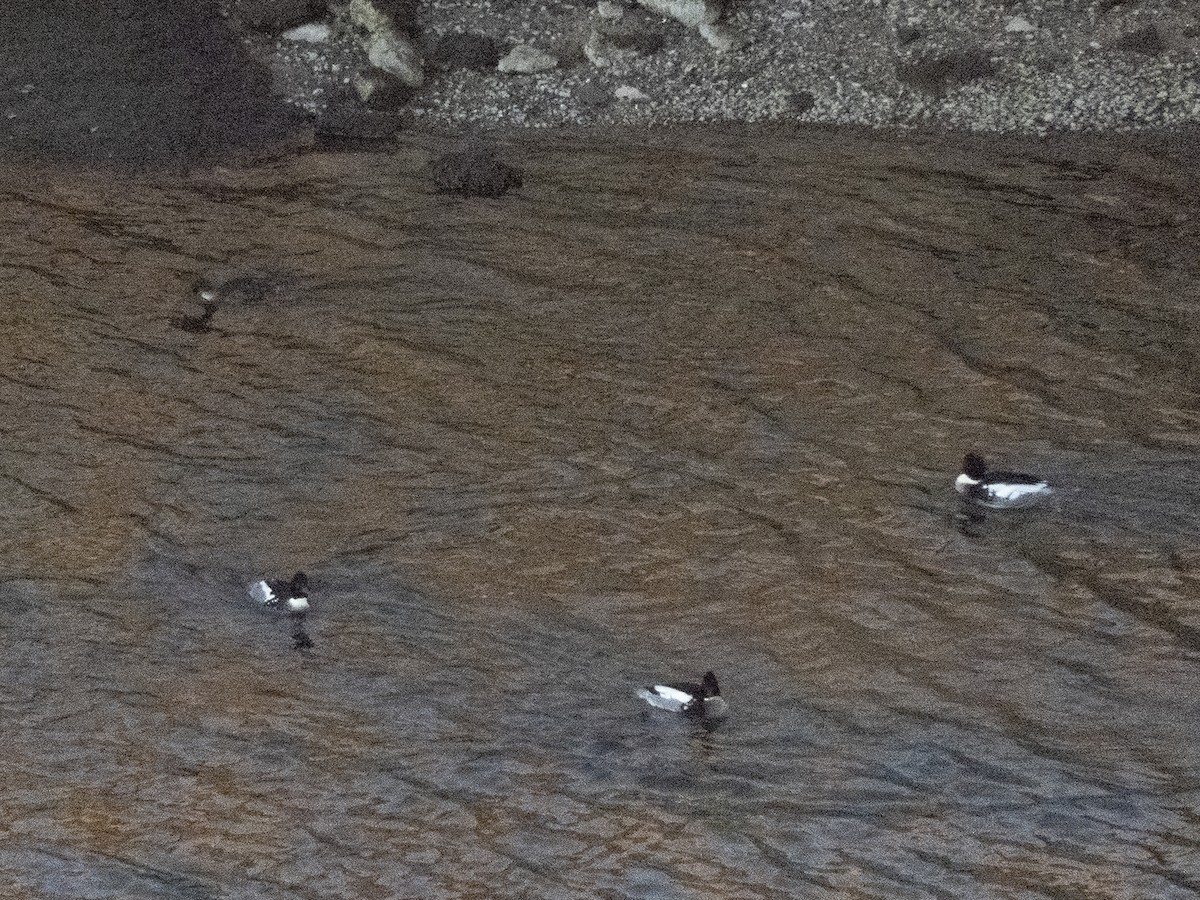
[
  {"x": 1038, "y": 66},
  {"x": 335, "y": 56}
]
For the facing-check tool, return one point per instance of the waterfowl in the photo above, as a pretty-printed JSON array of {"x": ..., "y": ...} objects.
[
  {"x": 997, "y": 490},
  {"x": 235, "y": 288},
  {"x": 221, "y": 289},
  {"x": 289, "y": 596},
  {"x": 690, "y": 698}
]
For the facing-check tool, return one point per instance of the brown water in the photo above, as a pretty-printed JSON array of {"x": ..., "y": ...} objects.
[{"x": 685, "y": 402}]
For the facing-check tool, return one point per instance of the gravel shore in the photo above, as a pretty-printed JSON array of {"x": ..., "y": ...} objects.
[
  {"x": 147, "y": 84},
  {"x": 1002, "y": 67}
]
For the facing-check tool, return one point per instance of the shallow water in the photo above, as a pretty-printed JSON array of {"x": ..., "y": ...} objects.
[{"x": 685, "y": 402}]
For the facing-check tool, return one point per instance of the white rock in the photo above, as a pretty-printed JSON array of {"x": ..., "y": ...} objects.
[
  {"x": 389, "y": 50},
  {"x": 310, "y": 33},
  {"x": 525, "y": 59},
  {"x": 720, "y": 37},
  {"x": 692, "y": 13},
  {"x": 607, "y": 9},
  {"x": 1019, "y": 24},
  {"x": 597, "y": 51},
  {"x": 630, "y": 93},
  {"x": 368, "y": 17}
]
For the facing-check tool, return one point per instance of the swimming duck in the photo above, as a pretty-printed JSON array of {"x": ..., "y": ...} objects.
[
  {"x": 224, "y": 288},
  {"x": 997, "y": 490},
  {"x": 703, "y": 699},
  {"x": 290, "y": 596},
  {"x": 235, "y": 288}
]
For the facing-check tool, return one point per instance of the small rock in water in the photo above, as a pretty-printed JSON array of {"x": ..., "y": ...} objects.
[
  {"x": 630, "y": 93},
  {"x": 525, "y": 59},
  {"x": 474, "y": 172},
  {"x": 1019, "y": 25}
]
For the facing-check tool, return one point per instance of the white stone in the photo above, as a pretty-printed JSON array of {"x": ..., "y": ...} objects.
[
  {"x": 525, "y": 59},
  {"x": 367, "y": 16},
  {"x": 1019, "y": 25},
  {"x": 311, "y": 33},
  {"x": 387, "y": 49},
  {"x": 607, "y": 9},
  {"x": 597, "y": 51},
  {"x": 630, "y": 93},
  {"x": 720, "y": 37},
  {"x": 692, "y": 13}
]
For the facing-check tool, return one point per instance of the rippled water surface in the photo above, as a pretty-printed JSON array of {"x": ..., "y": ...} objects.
[{"x": 685, "y": 402}]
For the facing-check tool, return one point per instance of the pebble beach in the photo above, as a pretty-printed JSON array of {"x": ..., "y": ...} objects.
[{"x": 1014, "y": 67}]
